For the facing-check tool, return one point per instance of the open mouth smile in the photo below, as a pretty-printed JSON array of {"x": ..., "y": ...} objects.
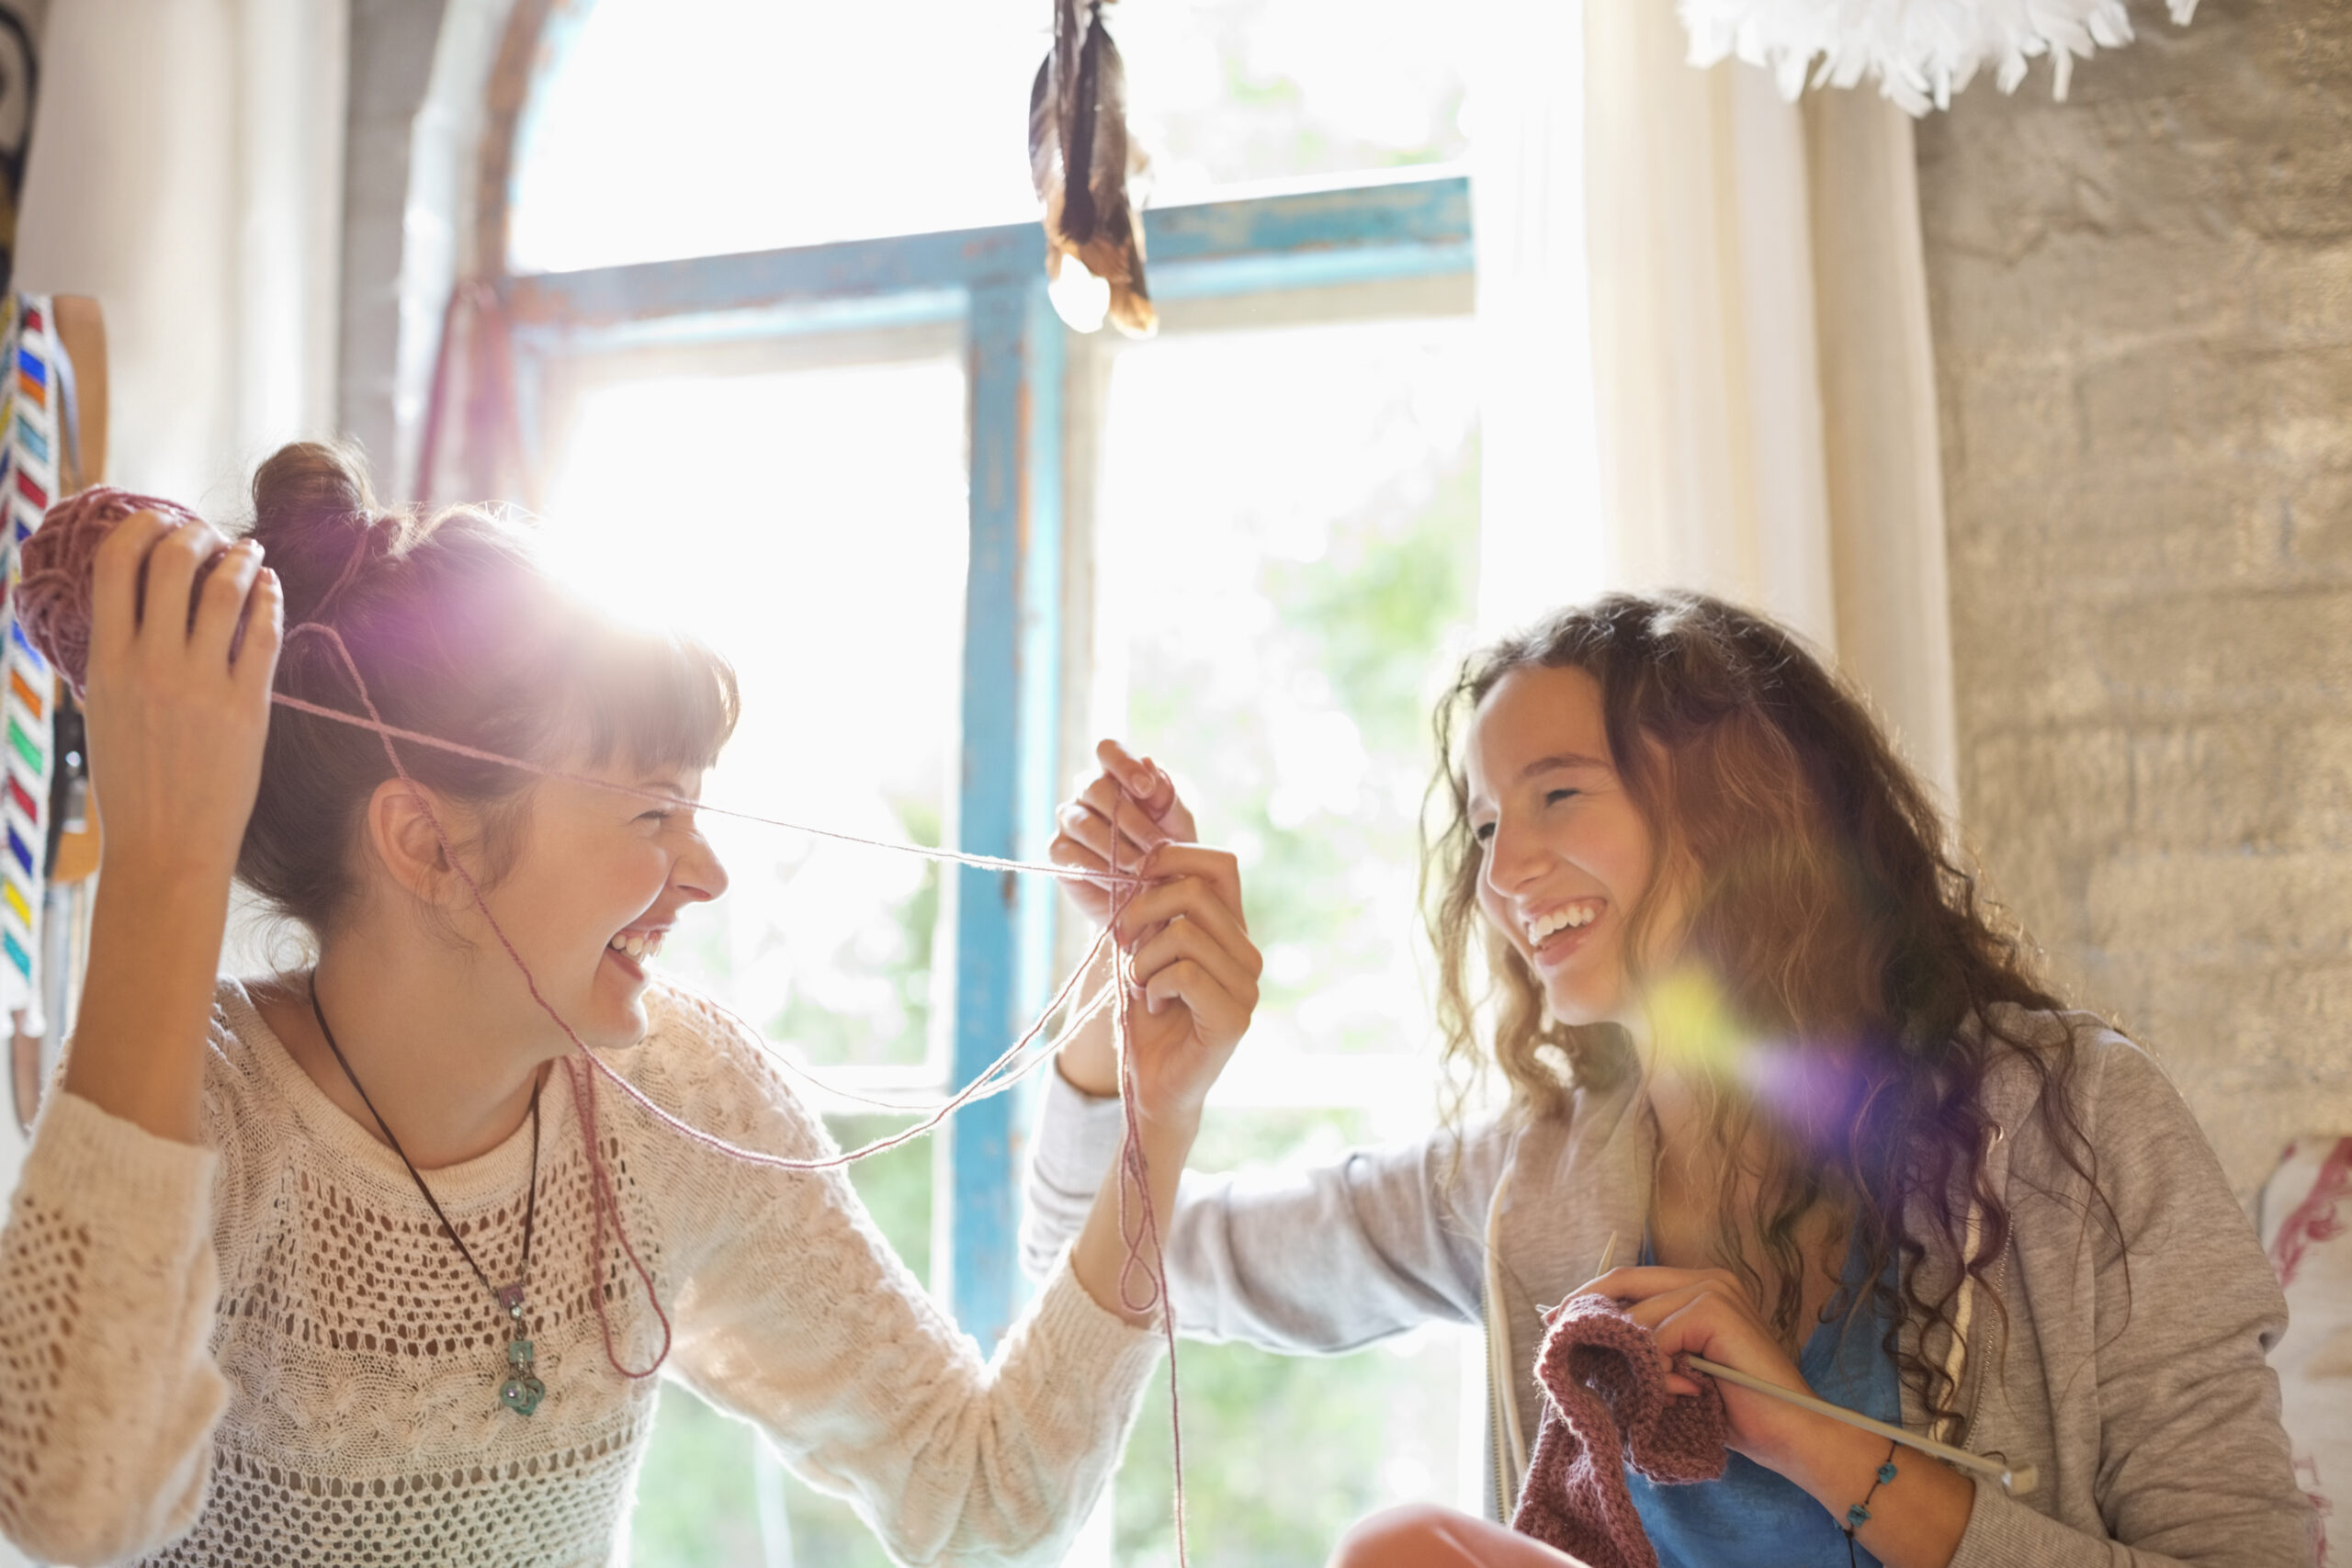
[
  {"x": 630, "y": 949},
  {"x": 1554, "y": 932}
]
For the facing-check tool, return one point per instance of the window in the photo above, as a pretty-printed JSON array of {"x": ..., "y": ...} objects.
[
  {"x": 817, "y": 399},
  {"x": 1264, "y": 619}
]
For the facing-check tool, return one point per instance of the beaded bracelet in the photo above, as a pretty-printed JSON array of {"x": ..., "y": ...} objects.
[{"x": 1860, "y": 1514}]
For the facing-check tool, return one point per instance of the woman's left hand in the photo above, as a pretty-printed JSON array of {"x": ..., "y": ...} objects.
[{"x": 1708, "y": 1313}]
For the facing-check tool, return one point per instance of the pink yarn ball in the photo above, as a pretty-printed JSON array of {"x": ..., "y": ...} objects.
[{"x": 53, "y": 593}]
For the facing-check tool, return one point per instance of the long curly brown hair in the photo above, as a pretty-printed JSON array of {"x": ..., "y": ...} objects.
[{"x": 1821, "y": 896}]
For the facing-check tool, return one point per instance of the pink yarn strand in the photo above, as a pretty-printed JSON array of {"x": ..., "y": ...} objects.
[
  {"x": 1135, "y": 1168},
  {"x": 926, "y": 852},
  {"x": 978, "y": 1088},
  {"x": 603, "y": 1200}
]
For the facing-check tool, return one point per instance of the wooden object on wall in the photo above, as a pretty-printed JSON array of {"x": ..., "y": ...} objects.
[{"x": 82, "y": 329}]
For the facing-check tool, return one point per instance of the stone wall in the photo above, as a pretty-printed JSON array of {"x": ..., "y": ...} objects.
[{"x": 2142, "y": 312}]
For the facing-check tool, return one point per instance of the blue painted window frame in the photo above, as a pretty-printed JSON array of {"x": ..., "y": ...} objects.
[{"x": 991, "y": 280}]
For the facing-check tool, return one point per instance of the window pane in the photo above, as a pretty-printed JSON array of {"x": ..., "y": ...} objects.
[
  {"x": 1276, "y": 611},
  {"x": 659, "y": 128},
  {"x": 680, "y": 128},
  {"x": 1226, "y": 92},
  {"x": 1276, "y": 616},
  {"x": 811, "y": 525}
]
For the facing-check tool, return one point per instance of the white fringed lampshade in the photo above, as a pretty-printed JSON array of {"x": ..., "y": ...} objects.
[{"x": 1921, "y": 52}]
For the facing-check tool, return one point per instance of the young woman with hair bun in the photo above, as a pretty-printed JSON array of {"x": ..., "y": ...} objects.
[
  {"x": 1759, "y": 1028},
  {"x": 326, "y": 1267}
]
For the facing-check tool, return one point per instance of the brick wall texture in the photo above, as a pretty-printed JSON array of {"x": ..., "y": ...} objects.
[{"x": 2141, "y": 302}]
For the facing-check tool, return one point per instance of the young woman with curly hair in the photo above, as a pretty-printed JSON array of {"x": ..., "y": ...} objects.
[{"x": 1758, "y": 1024}]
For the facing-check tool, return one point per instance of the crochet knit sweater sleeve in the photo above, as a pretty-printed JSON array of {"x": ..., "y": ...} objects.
[
  {"x": 109, "y": 1395},
  {"x": 795, "y": 1314}
]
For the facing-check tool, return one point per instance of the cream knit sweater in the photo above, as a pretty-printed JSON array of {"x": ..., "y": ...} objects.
[{"x": 263, "y": 1351}]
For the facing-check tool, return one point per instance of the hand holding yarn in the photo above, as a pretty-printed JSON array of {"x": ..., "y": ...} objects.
[
  {"x": 178, "y": 704},
  {"x": 1192, "y": 978},
  {"x": 53, "y": 596},
  {"x": 1131, "y": 797}
]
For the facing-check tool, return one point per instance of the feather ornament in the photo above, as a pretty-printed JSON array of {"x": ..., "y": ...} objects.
[
  {"x": 1921, "y": 51},
  {"x": 1078, "y": 160}
]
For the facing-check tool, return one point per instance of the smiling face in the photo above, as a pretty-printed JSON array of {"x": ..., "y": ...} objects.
[
  {"x": 1566, "y": 856},
  {"x": 597, "y": 882}
]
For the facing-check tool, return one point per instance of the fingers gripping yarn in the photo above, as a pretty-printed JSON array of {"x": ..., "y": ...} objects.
[
  {"x": 53, "y": 593},
  {"x": 1606, "y": 1405}
]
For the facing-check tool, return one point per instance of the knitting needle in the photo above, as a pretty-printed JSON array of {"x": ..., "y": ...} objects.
[{"x": 2014, "y": 1480}]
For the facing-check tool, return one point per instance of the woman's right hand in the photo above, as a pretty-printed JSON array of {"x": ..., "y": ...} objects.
[
  {"x": 1130, "y": 804},
  {"x": 177, "y": 701}
]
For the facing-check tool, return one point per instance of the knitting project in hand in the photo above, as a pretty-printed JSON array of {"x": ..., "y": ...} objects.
[{"x": 1606, "y": 1399}]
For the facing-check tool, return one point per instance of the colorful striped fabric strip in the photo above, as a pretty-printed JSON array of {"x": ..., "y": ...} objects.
[
  {"x": 30, "y": 445},
  {"x": 21, "y": 743},
  {"x": 26, "y": 695}
]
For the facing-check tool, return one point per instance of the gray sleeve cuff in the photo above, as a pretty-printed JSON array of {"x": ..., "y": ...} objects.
[{"x": 1076, "y": 1144}]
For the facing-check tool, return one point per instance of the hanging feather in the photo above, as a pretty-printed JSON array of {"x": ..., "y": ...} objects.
[
  {"x": 1079, "y": 161},
  {"x": 1921, "y": 52}
]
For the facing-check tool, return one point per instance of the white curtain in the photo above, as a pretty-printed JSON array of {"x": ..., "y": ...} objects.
[{"x": 1705, "y": 320}]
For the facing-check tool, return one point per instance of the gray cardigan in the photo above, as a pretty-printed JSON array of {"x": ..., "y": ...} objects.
[{"x": 2147, "y": 1406}]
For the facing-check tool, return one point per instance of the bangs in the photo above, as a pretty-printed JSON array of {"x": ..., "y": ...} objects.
[{"x": 654, "y": 700}]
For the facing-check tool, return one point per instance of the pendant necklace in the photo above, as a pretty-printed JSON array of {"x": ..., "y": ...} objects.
[{"x": 521, "y": 1391}]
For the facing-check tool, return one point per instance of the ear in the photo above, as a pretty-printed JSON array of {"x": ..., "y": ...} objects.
[{"x": 402, "y": 835}]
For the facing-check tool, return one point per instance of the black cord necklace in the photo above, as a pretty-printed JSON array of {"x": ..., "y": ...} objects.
[{"x": 522, "y": 1392}]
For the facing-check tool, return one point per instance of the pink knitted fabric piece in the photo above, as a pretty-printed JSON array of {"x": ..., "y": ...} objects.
[{"x": 1608, "y": 1407}]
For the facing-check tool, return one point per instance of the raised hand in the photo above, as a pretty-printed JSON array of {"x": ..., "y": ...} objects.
[
  {"x": 178, "y": 708},
  {"x": 1131, "y": 805},
  {"x": 179, "y": 694}
]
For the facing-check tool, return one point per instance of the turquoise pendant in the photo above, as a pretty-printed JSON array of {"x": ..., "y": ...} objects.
[{"x": 521, "y": 1393}]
